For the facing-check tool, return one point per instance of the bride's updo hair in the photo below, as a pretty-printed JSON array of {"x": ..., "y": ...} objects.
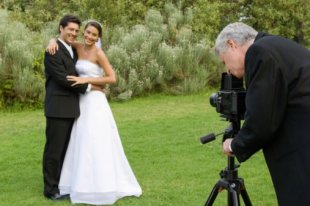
[{"x": 95, "y": 24}]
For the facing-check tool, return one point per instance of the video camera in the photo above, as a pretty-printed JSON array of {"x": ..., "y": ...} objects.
[{"x": 230, "y": 99}]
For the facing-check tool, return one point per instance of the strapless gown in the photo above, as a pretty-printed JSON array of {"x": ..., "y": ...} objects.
[{"x": 96, "y": 170}]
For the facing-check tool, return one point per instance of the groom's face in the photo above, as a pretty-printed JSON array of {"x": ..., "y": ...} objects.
[{"x": 69, "y": 32}]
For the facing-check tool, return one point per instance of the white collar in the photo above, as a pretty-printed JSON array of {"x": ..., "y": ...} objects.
[{"x": 68, "y": 47}]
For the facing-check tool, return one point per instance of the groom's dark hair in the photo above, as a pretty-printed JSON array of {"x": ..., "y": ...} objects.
[{"x": 64, "y": 21}]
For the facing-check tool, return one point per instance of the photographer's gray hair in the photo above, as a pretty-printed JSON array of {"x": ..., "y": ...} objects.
[{"x": 238, "y": 31}]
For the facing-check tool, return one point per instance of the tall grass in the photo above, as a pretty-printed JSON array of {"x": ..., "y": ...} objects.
[{"x": 160, "y": 135}]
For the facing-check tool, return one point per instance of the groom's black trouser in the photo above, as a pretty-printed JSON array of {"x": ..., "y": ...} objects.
[{"x": 57, "y": 132}]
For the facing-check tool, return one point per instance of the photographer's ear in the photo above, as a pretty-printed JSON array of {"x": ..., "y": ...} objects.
[{"x": 231, "y": 43}]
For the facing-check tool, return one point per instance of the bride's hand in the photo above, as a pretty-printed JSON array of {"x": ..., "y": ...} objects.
[
  {"x": 52, "y": 47},
  {"x": 76, "y": 80}
]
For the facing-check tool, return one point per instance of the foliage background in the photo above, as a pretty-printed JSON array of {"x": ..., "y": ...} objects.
[{"x": 154, "y": 45}]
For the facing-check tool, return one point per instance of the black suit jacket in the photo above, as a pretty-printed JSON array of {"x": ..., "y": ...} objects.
[
  {"x": 61, "y": 99},
  {"x": 277, "y": 118}
]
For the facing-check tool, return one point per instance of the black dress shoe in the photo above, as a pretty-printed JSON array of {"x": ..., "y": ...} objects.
[{"x": 57, "y": 196}]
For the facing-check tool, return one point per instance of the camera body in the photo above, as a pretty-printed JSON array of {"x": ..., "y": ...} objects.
[{"x": 230, "y": 99}]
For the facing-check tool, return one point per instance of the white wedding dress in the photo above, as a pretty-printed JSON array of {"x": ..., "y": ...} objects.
[{"x": 96, "y": 170}]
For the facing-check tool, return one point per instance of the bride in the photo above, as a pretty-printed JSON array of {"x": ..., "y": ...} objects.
[{"x": 95, "y": 170}]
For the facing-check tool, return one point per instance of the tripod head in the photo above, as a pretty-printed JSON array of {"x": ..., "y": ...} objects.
[{"x": 229, "y": 132}]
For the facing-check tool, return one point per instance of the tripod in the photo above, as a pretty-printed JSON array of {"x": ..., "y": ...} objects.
[
  {"x": 229, "y": 176},
  {"x": 233, "y": 184}
]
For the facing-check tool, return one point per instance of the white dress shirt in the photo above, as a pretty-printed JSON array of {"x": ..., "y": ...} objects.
[{"x": 68, "y": 47}]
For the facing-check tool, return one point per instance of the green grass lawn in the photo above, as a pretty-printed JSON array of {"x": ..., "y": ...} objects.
[{"x": 160, "y": 135}]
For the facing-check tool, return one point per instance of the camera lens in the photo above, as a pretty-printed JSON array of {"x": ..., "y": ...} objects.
[{"x": 214, "y": 99}]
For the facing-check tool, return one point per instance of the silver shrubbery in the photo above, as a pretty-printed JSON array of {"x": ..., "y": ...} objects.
[
  {"x": 162, "y": 55},
  {"x": 21, "y": 72}
]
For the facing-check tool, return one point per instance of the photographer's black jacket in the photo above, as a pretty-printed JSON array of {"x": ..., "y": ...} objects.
[{"x": 277, "y": 119}]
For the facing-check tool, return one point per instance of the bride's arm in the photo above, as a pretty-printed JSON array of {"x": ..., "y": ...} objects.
[
  {"x": 99, "y": 81},
  {"x": 52, "y": 46},
  {"x": 76, "y": 44},
  {"x": 95, "y": 82},
  {"x": 83, "y": 80},
  {"x": 109, "y": 74}
]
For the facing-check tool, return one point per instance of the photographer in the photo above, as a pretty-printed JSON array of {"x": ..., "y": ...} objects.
[{"x": 277, "y": 118}]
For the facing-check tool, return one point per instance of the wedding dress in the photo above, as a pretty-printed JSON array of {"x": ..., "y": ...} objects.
[{"x": 96, "y": 170}]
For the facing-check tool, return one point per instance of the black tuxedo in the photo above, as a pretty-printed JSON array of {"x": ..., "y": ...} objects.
[
  {"x": 61, "y": 107},
  {"x": 277, "y": 119}
]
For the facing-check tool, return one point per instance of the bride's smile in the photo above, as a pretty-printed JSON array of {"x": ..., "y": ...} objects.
[{"x": 91, "y": 35}]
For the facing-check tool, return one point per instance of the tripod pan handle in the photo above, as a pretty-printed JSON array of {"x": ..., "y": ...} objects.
[{"x": 207, "y": 138}]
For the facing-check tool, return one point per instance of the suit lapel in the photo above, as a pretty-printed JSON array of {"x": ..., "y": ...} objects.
[{"x": 60, "y": 44}]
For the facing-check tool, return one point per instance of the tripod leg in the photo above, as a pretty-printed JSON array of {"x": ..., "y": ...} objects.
[
  {"x": 212, "y": 195},
  {"x": 245, "y": 196},
  {"x": 232, "y": 195},
  {"x": 233, "y": 198}
]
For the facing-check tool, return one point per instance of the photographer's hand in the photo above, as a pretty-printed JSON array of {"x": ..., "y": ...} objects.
[{"x": 226, "y": 147}]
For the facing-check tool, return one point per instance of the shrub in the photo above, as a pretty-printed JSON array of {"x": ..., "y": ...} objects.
[
  {"x": 21, "y": 72},
  {"x": 162, "y": 55}
]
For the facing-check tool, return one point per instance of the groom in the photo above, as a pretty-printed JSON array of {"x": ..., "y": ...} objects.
[{"x": 61, "y": 103}]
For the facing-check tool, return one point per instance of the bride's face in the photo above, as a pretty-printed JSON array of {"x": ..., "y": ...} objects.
[{"x": 91, "y": 35}]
